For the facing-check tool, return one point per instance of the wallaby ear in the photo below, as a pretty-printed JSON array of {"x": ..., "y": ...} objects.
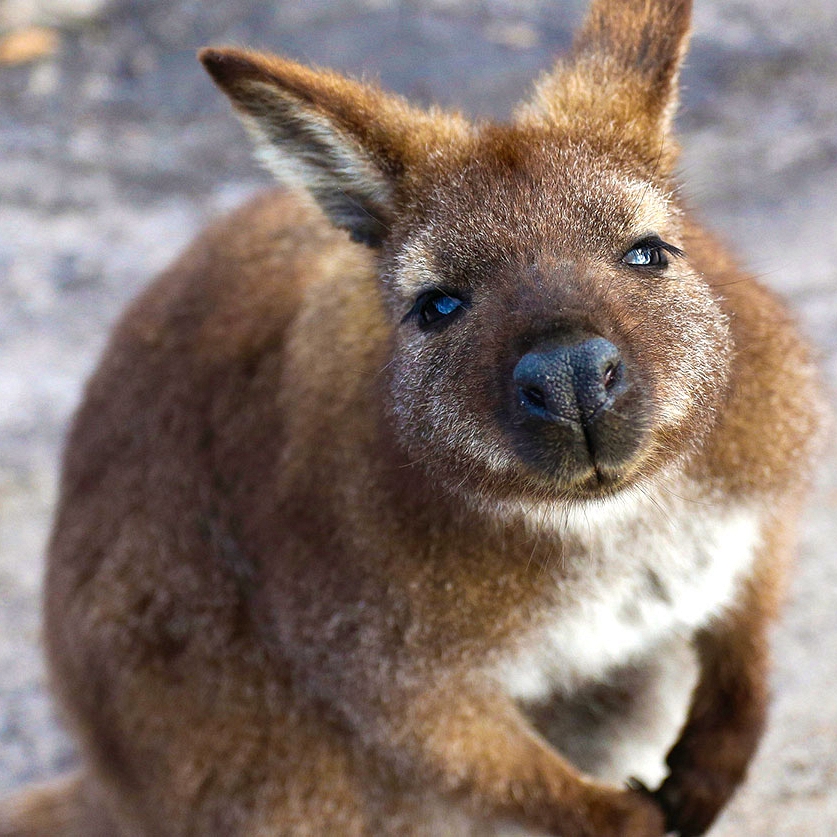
[
  {"x": 622, "y": 73},
  {"x": 346, "y": 143}
]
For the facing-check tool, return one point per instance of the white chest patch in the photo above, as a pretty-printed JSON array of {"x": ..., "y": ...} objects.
[{"x": 634, "y": 573}]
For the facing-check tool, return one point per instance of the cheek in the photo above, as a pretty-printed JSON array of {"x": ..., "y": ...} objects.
[
  {"x": 691, "y": 358},
  {"x": 443, "y": 397},
  {"x": 420, "y": 383}
]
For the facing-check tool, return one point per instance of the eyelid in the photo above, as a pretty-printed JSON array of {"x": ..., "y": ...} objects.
[
  {"x": 654, "y": 242},
  {"x": 435, "y": 290}
]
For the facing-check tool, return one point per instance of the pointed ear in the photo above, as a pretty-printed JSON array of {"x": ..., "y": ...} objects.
[
  {"x": 347, "y": 143},
  {"x": 622, "y": 72}
]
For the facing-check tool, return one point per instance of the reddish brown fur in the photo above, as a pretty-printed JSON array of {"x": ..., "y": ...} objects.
[{"x": 293, "y": 557}]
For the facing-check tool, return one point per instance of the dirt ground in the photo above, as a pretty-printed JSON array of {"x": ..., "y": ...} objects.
[{"x": 115, "y": 149}]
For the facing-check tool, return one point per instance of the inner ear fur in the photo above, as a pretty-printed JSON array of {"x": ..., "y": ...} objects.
[
  {"x": 349, "y": 144},
  {"x": 621, "y": 77}
]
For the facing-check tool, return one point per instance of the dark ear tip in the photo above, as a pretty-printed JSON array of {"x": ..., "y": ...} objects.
[
  {"x": 226, "y": 65},
  {"x": 212, "y": 59}
]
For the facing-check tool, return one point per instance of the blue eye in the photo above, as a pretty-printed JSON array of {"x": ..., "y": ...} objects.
[
  {"x": 646, "y": 256},
  {"x": 653, "y": 252},
  {"x": 435, "y": 307},
  {"x": 643, "y": 256},
  {"x": 446, "y": 304}
]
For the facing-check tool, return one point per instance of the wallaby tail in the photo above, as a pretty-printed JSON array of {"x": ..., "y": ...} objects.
[{"x": 54, "y": 809}]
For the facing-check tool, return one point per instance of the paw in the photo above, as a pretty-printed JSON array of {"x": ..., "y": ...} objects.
[
  {"x": 692, "y": 799},
  {"x": 628, "y": 813}
]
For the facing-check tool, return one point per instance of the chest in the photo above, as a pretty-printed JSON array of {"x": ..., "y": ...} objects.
[{"x": 628, "y": 580}]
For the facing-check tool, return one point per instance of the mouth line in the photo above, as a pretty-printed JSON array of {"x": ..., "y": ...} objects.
[
  {"x": 591, "y": 483},
  {"x": 595, "y": 481}
]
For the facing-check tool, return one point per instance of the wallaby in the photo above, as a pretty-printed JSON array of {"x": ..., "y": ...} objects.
[{"x": 454, "y": 501}]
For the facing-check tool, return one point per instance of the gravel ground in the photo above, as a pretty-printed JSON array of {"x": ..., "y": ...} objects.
[{"x": 116, "y": 149}]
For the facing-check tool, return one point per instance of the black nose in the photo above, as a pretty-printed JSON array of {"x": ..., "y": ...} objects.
[{"x": 570, "y": 383}]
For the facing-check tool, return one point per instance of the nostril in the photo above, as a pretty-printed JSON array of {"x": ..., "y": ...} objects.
[
  {"x": 611, "y": 375},
  {"x": 533, "y": 396}
]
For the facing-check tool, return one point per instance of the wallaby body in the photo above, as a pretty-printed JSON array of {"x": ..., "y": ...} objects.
[{"x": 450, "y": 529}]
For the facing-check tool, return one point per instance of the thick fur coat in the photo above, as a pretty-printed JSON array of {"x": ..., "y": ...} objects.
[{"x": 448, "y": 490}]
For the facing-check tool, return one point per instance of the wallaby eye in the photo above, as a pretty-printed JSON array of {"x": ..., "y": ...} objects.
[
  {"x": 645, "y": 256},
  {"x": 651, "y": 252},
  {"x": 435, "y": 308}
]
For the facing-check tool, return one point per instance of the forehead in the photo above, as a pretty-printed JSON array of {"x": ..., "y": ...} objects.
[{"x": 538, "y": 200}]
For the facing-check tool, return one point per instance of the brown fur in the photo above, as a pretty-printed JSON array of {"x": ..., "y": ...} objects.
[{"x": 302, "y": 541}]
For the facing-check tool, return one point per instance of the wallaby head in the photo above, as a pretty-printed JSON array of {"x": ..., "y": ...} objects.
[
  {"x": 549, "y": 334},
  {"x": 295, "y": 584}
]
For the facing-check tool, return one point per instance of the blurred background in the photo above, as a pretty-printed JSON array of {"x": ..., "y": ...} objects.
[{"x": 115, "y": 149}]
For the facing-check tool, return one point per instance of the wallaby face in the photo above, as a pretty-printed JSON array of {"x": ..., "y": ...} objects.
[
  {"x": 552, "y": 338},
  {"x": 447, "y": 491}
]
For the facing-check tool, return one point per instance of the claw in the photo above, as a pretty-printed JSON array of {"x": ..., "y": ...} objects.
[{"x": 639, "y": 786}]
